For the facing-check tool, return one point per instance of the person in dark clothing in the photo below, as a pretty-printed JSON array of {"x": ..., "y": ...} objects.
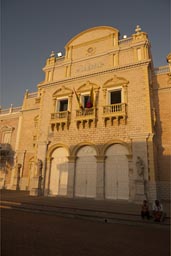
[{"x": 145, "y": 210}]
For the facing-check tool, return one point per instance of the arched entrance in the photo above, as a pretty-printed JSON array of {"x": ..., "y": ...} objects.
[
  {"x": 59, "y": 172},
  {"x": 85, "y": 179},
  {"x": 116, "y": 172}
]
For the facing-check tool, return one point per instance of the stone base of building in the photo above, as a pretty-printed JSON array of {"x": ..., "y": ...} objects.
[
  {"x": 35, "y": 186},
  {"x": 35, "y": 192},
  {"x": 163, "y": 190},
  {"x": 140, "y": 194}
]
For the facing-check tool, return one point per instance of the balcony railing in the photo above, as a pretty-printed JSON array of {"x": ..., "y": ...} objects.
[
  {"x": 10, "y": 110},
  {"x": 114, "y": 109},
  {"x": 86, "y": 112},
  {"x": 60, "y": 119},
  {"x": 32, "y": 95},
  {"x": 5, "y": 148},
  {"x": 125, "y": 42},
  {"x": 115, "y": 112},
  {"x": 59, "y": 115},
  {"x": 86, "y": 116}
]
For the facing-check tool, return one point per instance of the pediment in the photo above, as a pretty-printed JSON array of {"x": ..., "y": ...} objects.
[
  {"x": 91, "y": 34},
  {"x": 87, "y": 87},
  {"x": 7, "y": 128},
  {"x": 36, "y": 118},
  {"x": 62, "y": 91},
  {"x": 115, "y": 81}
]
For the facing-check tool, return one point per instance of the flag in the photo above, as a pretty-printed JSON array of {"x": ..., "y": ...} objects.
[
  {"x": 90, "y": 100},
  {"x": 92, "y": 96},
  {"x": 78, "y": 99}
]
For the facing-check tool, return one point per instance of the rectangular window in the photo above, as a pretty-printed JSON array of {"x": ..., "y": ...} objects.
[
  {"x": 86, "y": 101},
  {"x": 115, "y": 97},
  {"x": 7, "y": 137},
  {"x": 62, "y": 105}
]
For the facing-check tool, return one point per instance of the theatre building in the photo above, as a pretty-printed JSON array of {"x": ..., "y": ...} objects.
[{"x": 98, "y": 126}]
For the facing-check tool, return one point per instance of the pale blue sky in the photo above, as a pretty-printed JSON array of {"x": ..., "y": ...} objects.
[{"x": 31, "y": 29}]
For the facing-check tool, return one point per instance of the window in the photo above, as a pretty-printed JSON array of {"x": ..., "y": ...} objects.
[
  {"x": 86, "y": 101},
  {"x": 7, "y": 137},
  {"x": 115, "y": 97},
  {"x": 62, "y": 105}
]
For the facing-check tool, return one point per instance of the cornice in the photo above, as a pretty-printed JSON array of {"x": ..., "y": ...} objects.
[
  {"x": 31, "y": 109},
  {"x": 10, "y": 115},
  {"x": 118, "y": 68},
  {"x": 161, "y": 89}
]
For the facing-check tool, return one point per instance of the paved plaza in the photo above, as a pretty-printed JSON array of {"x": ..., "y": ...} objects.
[
  {"x": 33, "y": 234},
  {"x": 38, "y": 226}
]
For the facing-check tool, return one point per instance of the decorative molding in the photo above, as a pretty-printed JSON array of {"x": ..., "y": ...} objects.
[
  {"x": 87, "y": 87},
  {"x": 115, "y": 81},
  {"x": 63, "y": 91},
  {"x": 92, "y": 74}
]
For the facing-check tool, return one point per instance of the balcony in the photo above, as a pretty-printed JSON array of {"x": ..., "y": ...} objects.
[
  {"x": 86, "y": 116},
  {"x": 114, "y": 113},
  {"x": 5, "y": 148},
  {"x": 60, "y": 119},
  {"x": 6, "y": 154}
]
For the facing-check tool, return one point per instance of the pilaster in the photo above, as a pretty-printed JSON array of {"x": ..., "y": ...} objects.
[
  {"x": 100, "y": 187},
  {"x": 71, "y": 176}
]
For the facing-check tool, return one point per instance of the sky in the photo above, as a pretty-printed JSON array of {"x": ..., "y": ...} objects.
[{"x": 31, "y": 29}]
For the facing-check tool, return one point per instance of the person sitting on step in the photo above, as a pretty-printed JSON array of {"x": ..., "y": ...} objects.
[
  {"x": 158, "y": 213},
  {"x": 145, "y": 210}
]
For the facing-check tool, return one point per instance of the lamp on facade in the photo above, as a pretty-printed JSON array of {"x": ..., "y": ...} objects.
[{"x": 59, "y": 54}]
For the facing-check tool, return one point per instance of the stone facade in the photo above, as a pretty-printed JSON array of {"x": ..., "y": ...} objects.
[{"x": 98, "y": 123}]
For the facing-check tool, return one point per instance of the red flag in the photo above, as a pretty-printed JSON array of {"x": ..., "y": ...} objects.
[{"x": 90, "y": 102}]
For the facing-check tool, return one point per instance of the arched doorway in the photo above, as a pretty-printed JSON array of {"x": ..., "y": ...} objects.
[
  {"x": 59, "y": 172},
  {"x": 85, "y": 179},
  {"x": 116, "y": 172}
]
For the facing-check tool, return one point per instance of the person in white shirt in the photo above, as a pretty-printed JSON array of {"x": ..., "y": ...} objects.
[{"x": 158, "y": 214}]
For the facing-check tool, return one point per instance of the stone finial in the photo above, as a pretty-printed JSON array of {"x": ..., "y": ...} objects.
[
  {"x": 168, "y": 58},
  {"x": 138, "y": 29},
  {"x": 52, "y": 54}
]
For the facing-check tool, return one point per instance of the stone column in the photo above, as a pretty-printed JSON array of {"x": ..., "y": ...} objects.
[
  {"x": 100, "y": 185},
  {"x": 18, "y": 176},
  {"x": 71, "y": 176},
  {"x": 131, "y": 179},
  {"x": 47, "y": 176},
  {"x": 152, "y": 168}
]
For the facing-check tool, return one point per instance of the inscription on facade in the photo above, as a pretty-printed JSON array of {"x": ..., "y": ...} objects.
[{"x": 84, "y": 68}]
